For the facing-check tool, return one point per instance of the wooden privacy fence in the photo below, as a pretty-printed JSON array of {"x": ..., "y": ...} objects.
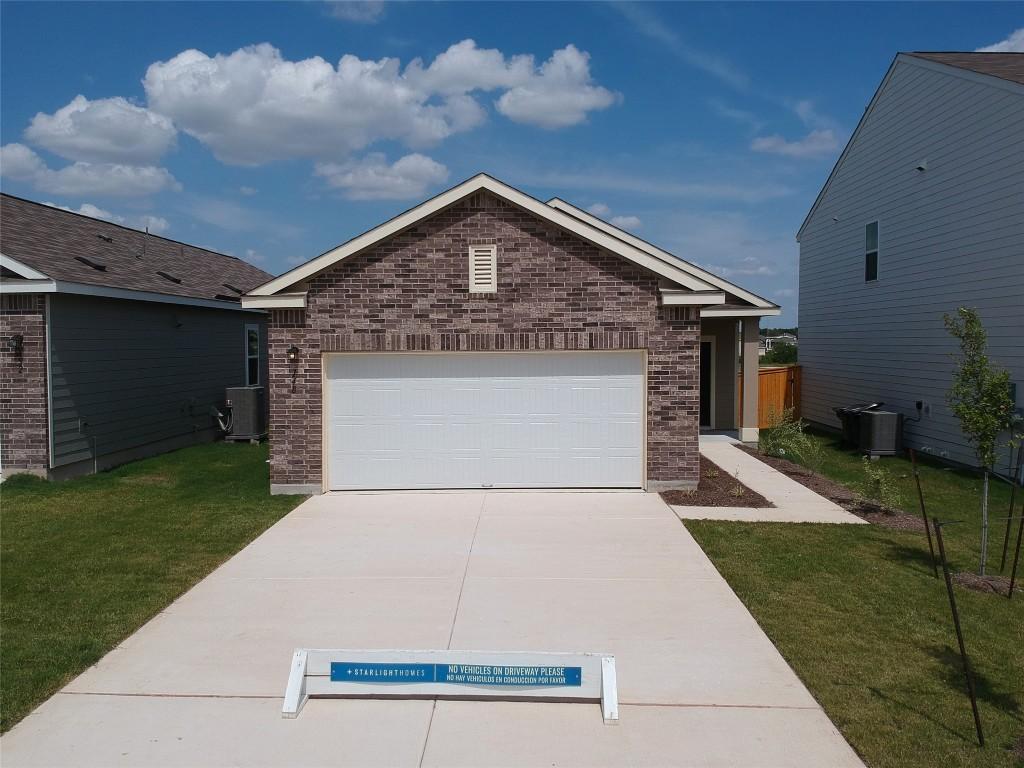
[{"x": 778, "y": 388}]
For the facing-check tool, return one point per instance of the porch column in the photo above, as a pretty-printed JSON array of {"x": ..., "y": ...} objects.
[{"x": 748, "y": 413}]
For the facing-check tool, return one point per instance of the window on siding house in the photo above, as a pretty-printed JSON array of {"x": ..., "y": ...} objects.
[
  {"x": 871, "y": 252},
  {"x": 483, "y": 269},
  {"x": 252, "y": 355}
]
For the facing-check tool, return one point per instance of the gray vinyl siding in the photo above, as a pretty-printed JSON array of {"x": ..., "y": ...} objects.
[
  {"x": 948, "y": 237},
  {"x": 127, "y": 374}
]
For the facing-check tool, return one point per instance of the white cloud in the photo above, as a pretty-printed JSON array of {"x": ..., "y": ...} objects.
[
  {"x": 155, "y": 224},
  {"x": 20, "y": 163},
  {"x": 464, "y": 67},
  {"x": 248, "y": 191},
  {"x": 740, "y": 116},
  {"x": 103, "y": 131},
  {"x": 255, "y": 257},
  {"x": 1012, "y": 44},
  {"x": 560, "y": 94},
  {"x": 626, "y": 222},
  {"x": 817, "y": 143},
  {"x": 784, "y": 293},
  {"x": 78, "y": 179},
  {"x": 88, "y": 209},
  {"x": 254, "y": 106},
  {"x": 371, "y": 178},
  {"x": 359, "y": 11},
  {"x": 599, "y": 209},
  {"x": 650, "y": 25}
]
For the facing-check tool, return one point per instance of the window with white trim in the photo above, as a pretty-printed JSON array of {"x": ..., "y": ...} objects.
[
  {"x": 871, "y": 252},
  {"x": 252, "y": 355},
  {"x": 483, "y": 269}
]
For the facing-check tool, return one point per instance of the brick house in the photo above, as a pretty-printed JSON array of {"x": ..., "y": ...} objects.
[
  {"x": 487, "y": 339},
  {"x": 114, "y": 344}
]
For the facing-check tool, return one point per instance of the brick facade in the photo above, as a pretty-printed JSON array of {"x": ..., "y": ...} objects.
[
  {"x": 24, "y": 440},
  {"x": 555, "y": 292}
]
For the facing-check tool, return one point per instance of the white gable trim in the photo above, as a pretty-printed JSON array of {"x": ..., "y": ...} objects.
[
  {"x": 675, "y": 298},
  {"x": 902, "y": 58},
  {"x": 714, "y": 280},
  {"x": 277, "y": 301},
  {"x": 592, "y": 234},
  {"x": 23, "y": 270}
]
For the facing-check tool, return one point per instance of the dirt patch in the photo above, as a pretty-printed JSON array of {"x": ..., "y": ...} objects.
[
  {"x": 840, "y": 494},
  {"x": 717, "y": 488},
  {"x": 162, "y": 480},
  {"x": 998, "y": 585},
  {"x": 1018, "y": 746}
]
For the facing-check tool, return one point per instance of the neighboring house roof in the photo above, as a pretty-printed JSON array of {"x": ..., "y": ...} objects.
[
  {"x": 701, "y": 287},
  {"x": 1008, "y": 66},
  {"x": 67, "y": 250},
  {"x": 1005, "y": 70}
]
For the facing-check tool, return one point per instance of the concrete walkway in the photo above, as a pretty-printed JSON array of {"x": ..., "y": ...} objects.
[
  {"x": 202, "y": 683},
  {"x": 794, "y": 503}
]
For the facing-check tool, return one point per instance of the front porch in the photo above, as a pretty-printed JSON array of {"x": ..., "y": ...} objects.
[{"x": 729, "y": 376}]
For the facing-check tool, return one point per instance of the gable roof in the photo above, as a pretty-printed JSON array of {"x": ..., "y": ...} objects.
[
  {"x": 275, "y": 293},
  {"x": 928, "y": 60},
  {"x": 1007, "y": 66},
  {"x": 44, "y": 243},
  {"x": 621, "y": 234}
]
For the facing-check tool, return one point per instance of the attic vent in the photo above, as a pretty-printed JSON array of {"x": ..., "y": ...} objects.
[
  {"x": 483, "y": 269},
  {"x": 226, "y": 297},
  {"x": 91, "y": 263},
  {"x": 172, "y": 278},
  {"x": 230, "y": 287}
]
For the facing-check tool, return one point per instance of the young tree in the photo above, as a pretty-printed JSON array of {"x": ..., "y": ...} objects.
[
  {"x": 781, "y": 352},
  {"x": 980, "y": 398}
]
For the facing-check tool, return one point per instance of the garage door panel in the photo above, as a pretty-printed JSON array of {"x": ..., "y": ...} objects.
[{"x": 485, "y": 420}]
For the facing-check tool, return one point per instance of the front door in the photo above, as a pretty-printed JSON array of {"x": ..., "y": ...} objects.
[{"x": 705, "y": 383}]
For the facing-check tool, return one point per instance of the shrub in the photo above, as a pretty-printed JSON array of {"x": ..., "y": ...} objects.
[
  {"x": 879, "y": 485},
  {"x": 785, "y": 438}
]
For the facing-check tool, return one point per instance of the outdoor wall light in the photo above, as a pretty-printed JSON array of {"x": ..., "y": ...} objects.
[
  {"x": 922, "y": 166},
  {"x": 293, "y": 354},
  {"x": 16, "y": 344}
]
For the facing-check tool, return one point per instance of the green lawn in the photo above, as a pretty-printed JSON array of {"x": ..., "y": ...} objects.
[
  {"x": 856, "y": 612},
  {"x": 85, "y": 562}
]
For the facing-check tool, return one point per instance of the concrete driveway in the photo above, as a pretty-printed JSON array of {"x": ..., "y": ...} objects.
[{"x": 202, "y": 683}]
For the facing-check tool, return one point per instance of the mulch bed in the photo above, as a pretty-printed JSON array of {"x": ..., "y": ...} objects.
[
  {"x": 840, "y": 494},
  {"x": 717, "y": 488},
  {"x": 998, "y": 585}
]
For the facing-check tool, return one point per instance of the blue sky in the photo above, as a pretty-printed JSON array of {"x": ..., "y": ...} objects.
[{"x": 274, "y": 131}]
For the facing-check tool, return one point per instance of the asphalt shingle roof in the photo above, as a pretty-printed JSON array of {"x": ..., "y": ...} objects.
[
  {"x": 1008, "y": 66},
  {"x": 65, "y": 246}
]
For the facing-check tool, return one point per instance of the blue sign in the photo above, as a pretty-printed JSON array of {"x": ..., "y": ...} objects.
[{"x": 457, "y": 674}]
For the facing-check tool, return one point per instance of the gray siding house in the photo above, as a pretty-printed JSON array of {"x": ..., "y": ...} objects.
[
  {"x": 114, "y": 344},
  {"x": 923, "y": 213}
]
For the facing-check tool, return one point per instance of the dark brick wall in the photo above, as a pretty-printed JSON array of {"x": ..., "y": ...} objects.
[
  {"x": 24, "y": 440},
  {"x": 555, "y": 292}
]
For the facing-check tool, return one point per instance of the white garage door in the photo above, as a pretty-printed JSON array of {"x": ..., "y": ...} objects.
[{"x": 487, "y": 420}]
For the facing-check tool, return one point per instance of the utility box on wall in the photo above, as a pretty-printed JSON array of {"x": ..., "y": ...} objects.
[{"x": 248, "y": 409}]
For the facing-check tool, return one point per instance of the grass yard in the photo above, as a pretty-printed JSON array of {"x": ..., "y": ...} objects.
[
  {"x": 857, "y": 613},
  {"x": 84, "y": 563}
]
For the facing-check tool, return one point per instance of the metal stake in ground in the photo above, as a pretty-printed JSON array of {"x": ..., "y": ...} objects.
[
  {"x": 924, "y": 515},
  {"x": 1013, "y": 499},
  {"x": 1016, "y": 554},
  {"x": 959, "y": 632}
]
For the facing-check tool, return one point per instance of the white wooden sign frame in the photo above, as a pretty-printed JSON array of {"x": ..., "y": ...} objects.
[{"x": 588, "y": 677}]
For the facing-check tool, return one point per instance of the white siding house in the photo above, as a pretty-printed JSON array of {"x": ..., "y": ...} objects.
[{"x": 923, "y": 213}]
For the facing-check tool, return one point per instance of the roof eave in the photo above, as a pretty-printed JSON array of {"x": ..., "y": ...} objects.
[{"x": 477, "y": 183}]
